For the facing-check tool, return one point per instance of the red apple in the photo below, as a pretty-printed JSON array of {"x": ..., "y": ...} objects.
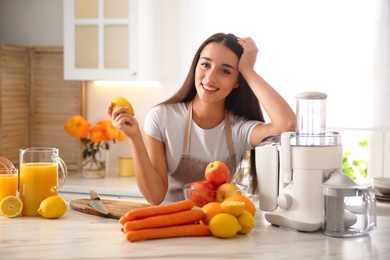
[
  {"x": 217, "y": 172},
  {"x": 202, "y": 192}
]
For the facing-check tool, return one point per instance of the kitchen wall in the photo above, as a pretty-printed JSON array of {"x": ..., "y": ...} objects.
[
  {"x": 183, "y": 25},
  {"x": 40, "y": 23}
]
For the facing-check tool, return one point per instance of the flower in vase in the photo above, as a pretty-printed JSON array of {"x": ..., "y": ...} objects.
[{"x": 95, "y": 139}]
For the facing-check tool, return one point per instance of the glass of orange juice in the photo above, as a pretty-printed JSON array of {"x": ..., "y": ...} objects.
[
  {"x": 8, "y": 182},
  {"x": 39, "y": 176}
]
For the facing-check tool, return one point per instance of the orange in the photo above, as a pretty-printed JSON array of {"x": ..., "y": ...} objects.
[
  {"x": 210, "y": 210},
  {"x": 249, "y": 205}
]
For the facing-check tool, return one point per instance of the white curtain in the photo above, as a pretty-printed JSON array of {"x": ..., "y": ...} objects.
[{"x": 339, "y": 47}]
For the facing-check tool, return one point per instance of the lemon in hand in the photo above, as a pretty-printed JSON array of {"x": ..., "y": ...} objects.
[
  {"x": 11, "y": 206},
  {"x": 122, "y": 102},
  {"x": 52, "y": 207},
  {"x": 224, "y": 225}
]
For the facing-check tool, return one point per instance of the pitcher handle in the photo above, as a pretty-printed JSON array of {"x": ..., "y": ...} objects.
[{"x": 64, "y": 171}]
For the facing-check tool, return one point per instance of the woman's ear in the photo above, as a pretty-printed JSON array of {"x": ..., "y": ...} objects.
[{"x": 236, "y": 85}]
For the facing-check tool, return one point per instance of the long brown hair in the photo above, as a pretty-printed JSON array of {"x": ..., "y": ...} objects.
[{"x": 241, "y": 101}]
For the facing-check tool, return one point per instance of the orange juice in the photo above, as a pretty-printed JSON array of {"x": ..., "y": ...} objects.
[
  {"x": 8, "y": 185},
  {"x": 37, "y": 182}
]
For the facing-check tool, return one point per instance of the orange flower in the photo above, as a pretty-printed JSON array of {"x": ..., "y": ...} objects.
[
  {"x": 121, "y": 136},
  {"x": 77, "y": 126},
  {"x": 103, "y": 131}
]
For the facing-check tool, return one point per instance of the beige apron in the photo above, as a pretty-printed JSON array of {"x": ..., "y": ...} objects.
[{"x": 191, "y": 169}]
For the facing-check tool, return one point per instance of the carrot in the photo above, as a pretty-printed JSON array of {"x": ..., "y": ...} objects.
[
  {"x": 122, "y": 220},
  {"x": 174, "y": 219},
  {"x": 188, "y": 230},
  {"x": 159, "y": 209}
]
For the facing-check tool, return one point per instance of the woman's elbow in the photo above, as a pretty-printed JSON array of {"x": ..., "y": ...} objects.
[{"x": 290, "y": 125}]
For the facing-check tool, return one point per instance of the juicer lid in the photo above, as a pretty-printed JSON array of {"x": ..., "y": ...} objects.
[
  {"x": 338, "y": 180},
  {"x": 311, "y": 95}
]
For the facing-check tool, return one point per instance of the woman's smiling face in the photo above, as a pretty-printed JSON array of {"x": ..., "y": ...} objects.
[{"x": 216, "y": 73}]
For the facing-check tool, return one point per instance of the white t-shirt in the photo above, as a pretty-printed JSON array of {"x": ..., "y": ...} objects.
[{"x": 166, "y": 123}]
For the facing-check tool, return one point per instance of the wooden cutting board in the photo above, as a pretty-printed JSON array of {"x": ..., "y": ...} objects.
[{"x": 116, "y": 208}]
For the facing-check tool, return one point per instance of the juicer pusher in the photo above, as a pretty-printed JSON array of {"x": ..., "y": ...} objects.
[{"x": 292, "y": 166}]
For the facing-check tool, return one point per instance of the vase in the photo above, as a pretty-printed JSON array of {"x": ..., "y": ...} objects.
[{"x": 94, "y": 163}]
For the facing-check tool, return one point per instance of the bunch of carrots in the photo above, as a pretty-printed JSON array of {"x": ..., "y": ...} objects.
[{"x": 177, "y": 219}]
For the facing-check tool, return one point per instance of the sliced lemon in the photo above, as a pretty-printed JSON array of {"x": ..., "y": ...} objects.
[
  {"x": 52, "y": 207},
  {"x": 233, "y": 207},
  {"x": 122, "y": 102},
  {"x": 224, "y": 225},
  {"x": 11, "y": 206}
]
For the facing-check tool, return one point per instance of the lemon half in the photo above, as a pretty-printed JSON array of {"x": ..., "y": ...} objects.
[
  {"x": 233, "y": 207},
  {"x": 11, "y": 206}
]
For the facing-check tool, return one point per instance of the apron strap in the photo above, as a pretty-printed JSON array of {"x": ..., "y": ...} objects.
[
  {"x": 228, "y": 134},
  {"x": 187, "y": 132}
]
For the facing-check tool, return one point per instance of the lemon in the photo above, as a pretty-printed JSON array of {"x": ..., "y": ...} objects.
[
  {"x": 122, "y": 102},
  {"x": 233, "y": 207},
  {"x": 11, "y": 206},
  {"x": 52, "y": 207},
  {"x": 224, "y": 225},
  {"x": 247, "y": 222}
]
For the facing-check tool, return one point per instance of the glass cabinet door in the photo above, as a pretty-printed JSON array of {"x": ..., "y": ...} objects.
[{"x": 101, "y": 39}]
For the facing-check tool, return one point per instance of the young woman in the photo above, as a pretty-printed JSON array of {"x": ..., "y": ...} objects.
[{"x": 215, "y": 115}]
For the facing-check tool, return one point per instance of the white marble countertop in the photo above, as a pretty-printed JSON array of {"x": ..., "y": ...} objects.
[
  {"x": 109, "y": 186},
  {"x": 81, "y": 236},
  {"x": 126, "y": 188}
]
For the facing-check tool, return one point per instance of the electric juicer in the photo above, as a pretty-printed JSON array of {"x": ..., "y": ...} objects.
[{"x": 292, "y": 168}]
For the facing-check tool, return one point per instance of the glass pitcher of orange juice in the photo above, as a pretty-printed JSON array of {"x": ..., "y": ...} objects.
[
  {"x": 38, "y": 175},
  {"x": 8, "y": 182}
]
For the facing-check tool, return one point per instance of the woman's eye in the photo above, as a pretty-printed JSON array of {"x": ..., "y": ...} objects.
[
  {"x": 225, "y": 72},
  {"x": 204, "y": 65}
]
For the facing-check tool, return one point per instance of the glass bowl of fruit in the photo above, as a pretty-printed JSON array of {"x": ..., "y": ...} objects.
[{"x": 203, "y": 192}]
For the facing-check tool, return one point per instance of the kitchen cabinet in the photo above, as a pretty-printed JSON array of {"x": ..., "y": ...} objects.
[
  {"x": 14, "y": 100},
  {"x": 102, "y": 40},
  {"x": 54, "y": 100},
  {"x": 36, "y": 102}
]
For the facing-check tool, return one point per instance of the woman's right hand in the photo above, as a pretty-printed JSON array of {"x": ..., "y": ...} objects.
[{"x": 123, "y": 121}]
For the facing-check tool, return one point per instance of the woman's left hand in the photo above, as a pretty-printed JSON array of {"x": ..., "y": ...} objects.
[{"x": 248, "y": 58}]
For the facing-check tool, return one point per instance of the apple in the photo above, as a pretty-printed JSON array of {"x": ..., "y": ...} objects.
[
  {"x": 226, "y": 190},
  {"x": 217, "y": 172},
  {"x": 202, "y": 192}
]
